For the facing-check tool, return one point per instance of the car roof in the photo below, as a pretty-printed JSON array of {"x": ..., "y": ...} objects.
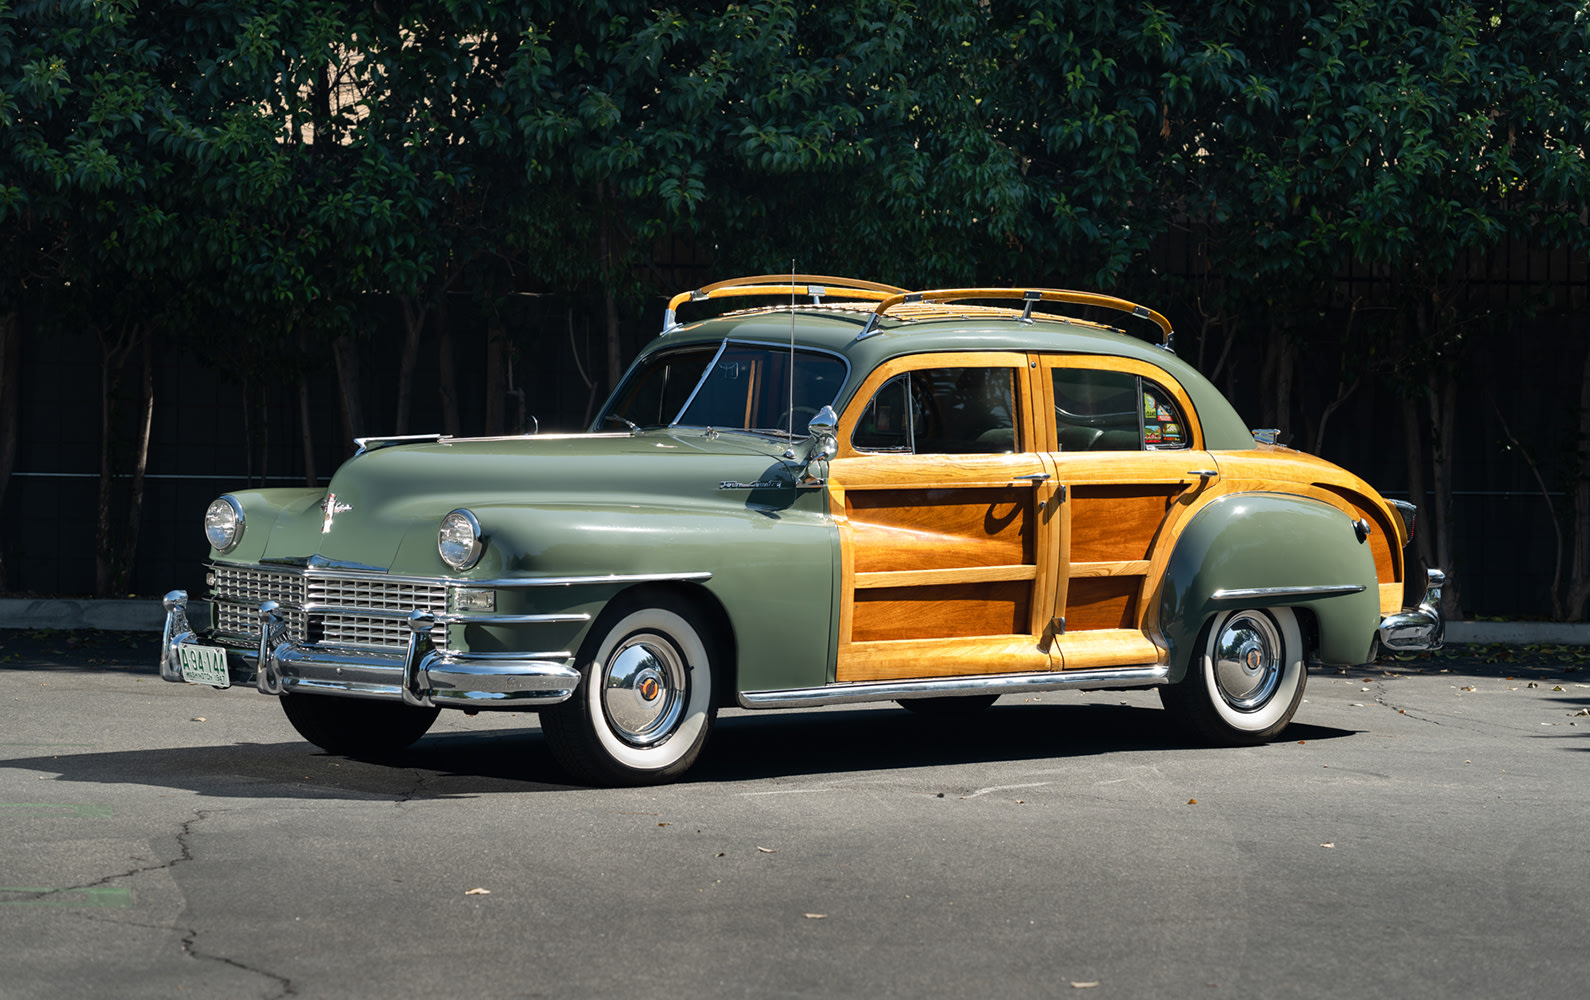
[{"x": 931, "y": 328}]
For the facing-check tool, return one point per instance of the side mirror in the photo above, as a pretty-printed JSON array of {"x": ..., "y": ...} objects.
[{"x": 824, "y": 431}]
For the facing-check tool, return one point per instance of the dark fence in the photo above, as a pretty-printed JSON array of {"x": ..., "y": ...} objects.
[{"x": 211, "y": 434}]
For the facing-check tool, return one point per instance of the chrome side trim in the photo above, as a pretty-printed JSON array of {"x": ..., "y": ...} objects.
[
  {"x": 508, "y": 583},
  {"x": 572, "y": 581},
  {"x": 1269, "y": 593},
  {"x": 1147, "y": 675},
  {"x": 487, "y": 618}
]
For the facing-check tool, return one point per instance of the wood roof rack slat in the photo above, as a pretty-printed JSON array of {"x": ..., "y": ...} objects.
[
  {"x": 1028, "y": 296},
  {"x": 815, "y": 285}
]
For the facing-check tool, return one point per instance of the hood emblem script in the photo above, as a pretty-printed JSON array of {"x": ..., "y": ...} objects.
[{"x": 331, "y": 508}]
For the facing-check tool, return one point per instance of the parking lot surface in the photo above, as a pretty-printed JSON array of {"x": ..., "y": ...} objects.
[{"x": 1419, "y": 832}]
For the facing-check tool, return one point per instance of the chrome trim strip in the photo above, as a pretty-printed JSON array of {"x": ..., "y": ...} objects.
[
  {"x": 487, "y": 618},
  {"x": 569, "y": 581},
  {"x": 1147, "y": 675},
  {"x": 1267, "y": 593},
  {"x": 509, "y": 583},
  {"x": 503, "y": 656}
]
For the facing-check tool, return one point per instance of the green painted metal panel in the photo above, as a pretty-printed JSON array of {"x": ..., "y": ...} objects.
[{"x": 1265, "y": 540}]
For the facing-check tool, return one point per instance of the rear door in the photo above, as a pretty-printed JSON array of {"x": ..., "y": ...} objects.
[{"x": 1123, "y": 443}]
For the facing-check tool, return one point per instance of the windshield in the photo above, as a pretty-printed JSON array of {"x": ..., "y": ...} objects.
[{"x": 727, "y": 386}]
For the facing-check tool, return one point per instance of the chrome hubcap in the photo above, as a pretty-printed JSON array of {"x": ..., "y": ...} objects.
[
  {"x": 1247, "y": 660},
  {"x": 643, "y": 689}
]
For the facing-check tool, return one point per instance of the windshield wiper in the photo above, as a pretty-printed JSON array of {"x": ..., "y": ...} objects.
[{"x": 634, "y": 428}]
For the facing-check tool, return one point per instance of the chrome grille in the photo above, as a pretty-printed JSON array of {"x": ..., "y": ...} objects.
[
  {"x": 367, "y": 612},
  {"x": 238, "y": 591},
  {"x": 349, "y": 610}
]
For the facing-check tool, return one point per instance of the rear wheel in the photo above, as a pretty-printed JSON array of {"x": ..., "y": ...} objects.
[
  {"x": 1246, "y": 679},
  {"x": 644, "y": 706},
  {"x": 354, "y": 727}
]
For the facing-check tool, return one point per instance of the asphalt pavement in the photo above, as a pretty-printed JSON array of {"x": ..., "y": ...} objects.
[{"x": 1419, "y": 832}]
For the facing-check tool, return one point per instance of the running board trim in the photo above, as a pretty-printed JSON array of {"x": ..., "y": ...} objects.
[{"x": 1150, "y": 675}]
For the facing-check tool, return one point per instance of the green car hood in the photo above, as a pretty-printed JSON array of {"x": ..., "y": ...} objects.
[{"x": 382, "y": 508}]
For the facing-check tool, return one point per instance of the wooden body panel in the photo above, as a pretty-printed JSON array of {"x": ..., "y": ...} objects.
[{"x": 1044, "y": 558}]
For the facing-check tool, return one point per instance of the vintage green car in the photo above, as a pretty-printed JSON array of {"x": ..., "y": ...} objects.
[{"x": 847, "y": 492}]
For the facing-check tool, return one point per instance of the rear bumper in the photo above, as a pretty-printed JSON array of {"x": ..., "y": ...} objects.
[
  {"x": 420, "y": 676},
  {"x": 1421, "y": 628}
]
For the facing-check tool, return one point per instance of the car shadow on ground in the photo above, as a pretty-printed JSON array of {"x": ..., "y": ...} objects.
[{"x": 743, "y": 747}]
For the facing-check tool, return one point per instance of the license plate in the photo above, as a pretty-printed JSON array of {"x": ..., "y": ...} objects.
[{"x": 205, "y": 665}]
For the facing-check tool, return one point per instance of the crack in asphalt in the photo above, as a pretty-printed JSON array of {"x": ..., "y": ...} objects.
[{"x": 190, "y": 935}]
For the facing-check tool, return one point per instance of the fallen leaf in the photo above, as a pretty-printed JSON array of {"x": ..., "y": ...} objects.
[
  {"x": 1192, "y": 802},
  {"x": 815, "y": 916},
  {"x": 768, "y": 850},
  {"x": 662, "y": 824},
  {"x": 477, "y": 892},
  {"x": 1557, "y": 687},
  {"x": 1329, "y": 843},
  {"x": 1084, "y": 986},
  {"x": 200, "y": 718}
]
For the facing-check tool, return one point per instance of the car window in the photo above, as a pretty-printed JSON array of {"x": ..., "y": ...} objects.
[
  {"x": 655, "y": 394},
  {"x": 941, "y": 411},
  {"x": 731, "y": 386},
  {"x": 1097, "y": 409}
]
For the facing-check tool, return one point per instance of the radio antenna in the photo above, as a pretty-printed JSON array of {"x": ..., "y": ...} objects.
[{"x": 792, "y": 349}]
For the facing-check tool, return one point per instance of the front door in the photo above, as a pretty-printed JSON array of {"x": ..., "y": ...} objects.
[{"x": 945, "y": 503}]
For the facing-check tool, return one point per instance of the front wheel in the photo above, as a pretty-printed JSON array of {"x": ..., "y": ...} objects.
[
  {"x": 644, "y": 706},
  {"x": 1246, "y": 679},
  {"x": 353, "y": 727}
]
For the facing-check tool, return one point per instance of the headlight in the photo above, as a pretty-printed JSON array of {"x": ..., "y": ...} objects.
[
  {"x": 458, "y": 541},
  {"x": 223, "y": 523}
]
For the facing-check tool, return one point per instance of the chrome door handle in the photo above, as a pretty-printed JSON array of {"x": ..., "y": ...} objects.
[
  {"x": 1203, "y": 473},
  {"x": 1035, "y": 478}
]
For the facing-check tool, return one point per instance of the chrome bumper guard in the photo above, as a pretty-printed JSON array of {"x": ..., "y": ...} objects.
[
  {"x": 1421, "y": 628},
  {"x": 423, "y": 676}
]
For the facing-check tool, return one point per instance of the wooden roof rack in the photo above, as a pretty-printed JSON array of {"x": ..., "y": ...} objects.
[
  {"x": 889, "y": 297},
  {"x": 818, "y": 286},
  {"x": 1028, "y": 296}
]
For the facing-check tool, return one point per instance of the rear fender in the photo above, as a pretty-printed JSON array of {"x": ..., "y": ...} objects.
[{"x": 1264, "y": 550}]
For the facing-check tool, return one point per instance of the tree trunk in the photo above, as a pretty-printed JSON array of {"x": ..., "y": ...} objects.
[
  {"x": 496, "y": 377},
  {"x": 122, "y": 578},
  {"x": 446, "y": 376},
  {"x": 413, "y": 323},
  {"x": 1443, "y": 439},
  {"x": 615, "y": 351},
  {"x": 305, "y": 425},
  {"x": 1413, "y": 453},
  {"x": 10, "y": 388},
  {"x": 1280, "y": 364},
  {"x": 112, "y": 356},
  {"x": 346, "y": 354}
]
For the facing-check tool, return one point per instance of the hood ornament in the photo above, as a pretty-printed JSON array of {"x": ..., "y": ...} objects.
[{"x": 331, "y": 508}]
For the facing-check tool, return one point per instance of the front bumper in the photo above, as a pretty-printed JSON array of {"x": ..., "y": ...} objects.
[
  {"x": 1416, "y": 629},
  {"x": 422, "y": 675}
]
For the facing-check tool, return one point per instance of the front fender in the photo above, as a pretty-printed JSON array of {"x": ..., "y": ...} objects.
[
  {"x": 1259, "y": 550},
  {"x": 771, "y": 571}
]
